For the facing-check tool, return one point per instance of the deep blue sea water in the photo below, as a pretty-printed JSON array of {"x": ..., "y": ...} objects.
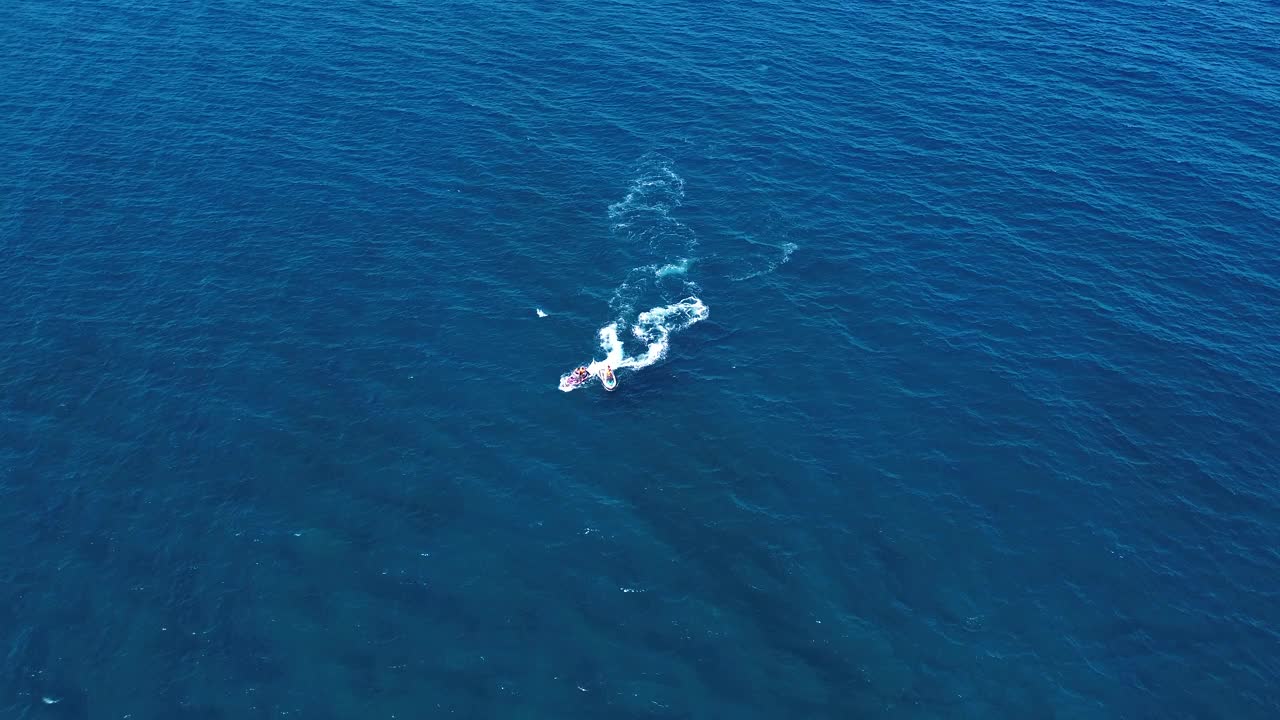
[{"x": 948, "y": 340}]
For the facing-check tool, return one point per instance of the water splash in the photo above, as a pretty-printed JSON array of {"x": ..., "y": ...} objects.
[{"x": 681, "y": 267}]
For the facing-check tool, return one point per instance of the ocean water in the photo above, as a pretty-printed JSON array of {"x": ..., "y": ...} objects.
[{"x": 947, "y": 337}]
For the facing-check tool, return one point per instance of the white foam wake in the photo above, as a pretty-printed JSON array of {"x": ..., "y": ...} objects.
[
  {"x": 643, "y": 224},
  {"x": 653, "y": 328},
  {"x": 657, "y": 189},
  {"x": 645, "y": 228}
]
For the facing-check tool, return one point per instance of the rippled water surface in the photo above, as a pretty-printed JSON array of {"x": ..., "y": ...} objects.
[{"x": 947, "y": 339}]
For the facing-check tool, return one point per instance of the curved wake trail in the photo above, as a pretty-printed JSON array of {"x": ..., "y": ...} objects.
[
  {"x": 643, "y": 218},
  {"x": 653, "y": 328}
]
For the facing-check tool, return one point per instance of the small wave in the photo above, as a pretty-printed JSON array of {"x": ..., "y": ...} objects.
[{"x": 786, "y": 248}]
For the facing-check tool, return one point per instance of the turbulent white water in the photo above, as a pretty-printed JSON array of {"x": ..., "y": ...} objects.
[
  {"x": 653, "y": 328},
  {"x": 643, "y": 218}
]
